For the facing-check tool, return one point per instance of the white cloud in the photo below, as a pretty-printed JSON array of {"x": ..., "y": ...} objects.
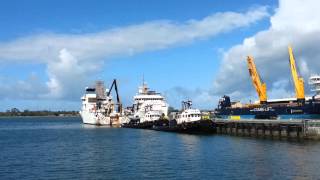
[
  {"x": 295, "y": 22},
  {"x": 65, "y": 74},
  {"x": 297, "y": 15},
  {"x": 127, "y": 40},
  {"x": 28, "y": 88},
  {"x": 279, "y": 89},
  {"x": 200, "y": 98},
  {"x": 70, "y": 58}
]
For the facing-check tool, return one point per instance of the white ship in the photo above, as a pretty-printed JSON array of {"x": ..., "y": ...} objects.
[
  {"x": 98, "y": 107},
  {"x": 188, "y": 114},
  {"x": 148, "y": 105}
]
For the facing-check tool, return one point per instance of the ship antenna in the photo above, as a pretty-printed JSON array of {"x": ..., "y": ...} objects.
[
  {"x": 144, "y": 87},
  {"x": 143, "y": 82},
  {"x": 143, "y": 79}
]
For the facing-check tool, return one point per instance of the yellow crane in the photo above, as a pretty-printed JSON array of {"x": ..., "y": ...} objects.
[
  {"x": 297, "y": 80},
  {"x": 260, "y": 86}
]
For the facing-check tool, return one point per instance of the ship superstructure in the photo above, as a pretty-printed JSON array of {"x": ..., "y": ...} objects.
[
  {"x": 314, "y": 82},
  {"x": 188, "y": 114},
  {"x": 148, "y": 105}
]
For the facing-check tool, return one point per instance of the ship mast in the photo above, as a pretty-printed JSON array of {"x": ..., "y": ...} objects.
[
  {"x": 260, "y": 86},
  {"x": 297, "y": 80},
  {"x": 186, "y": 104}
]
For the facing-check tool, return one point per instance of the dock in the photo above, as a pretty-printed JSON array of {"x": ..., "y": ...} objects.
[
  {"x": 279, "y": 129},
  {"x": 274, "y": 129}
]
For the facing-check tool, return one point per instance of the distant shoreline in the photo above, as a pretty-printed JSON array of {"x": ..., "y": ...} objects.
[
  {"x": 42, "y": 116},
  {"x": 15, "y": 112}
]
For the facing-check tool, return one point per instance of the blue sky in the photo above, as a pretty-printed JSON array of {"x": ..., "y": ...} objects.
[
  {"x": 189, "y": 66},
  {"x": 21, "y": 17}
]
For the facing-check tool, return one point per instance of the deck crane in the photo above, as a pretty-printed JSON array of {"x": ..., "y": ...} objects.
[
  {"x": 297, "y": 80},
  {"x": 114, "y": 84},
  {"x": 260, "y": 86}
]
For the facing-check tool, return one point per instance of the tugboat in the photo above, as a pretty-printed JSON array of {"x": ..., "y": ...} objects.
[
  {"x": 188, "y": 115},
  {"x": 148, "y": 108},
  {"x": 188, "y": 120},
  {"x": 98, "y": 107}
]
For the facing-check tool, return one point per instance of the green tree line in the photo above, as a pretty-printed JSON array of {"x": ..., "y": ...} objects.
[{"x": 26, "y": 112}]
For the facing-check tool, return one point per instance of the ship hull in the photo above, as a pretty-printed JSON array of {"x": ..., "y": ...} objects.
[
  {"x": 95, "y": 119},
  {"x": 194, "y": 127},
  {"x": 308, "y": 110}
]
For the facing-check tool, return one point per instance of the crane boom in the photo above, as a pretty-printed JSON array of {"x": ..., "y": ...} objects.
[
  {"x": 297, "y": 80},
  {"x": 114, "y": 84},
  {"x": 260, "y": 87}
]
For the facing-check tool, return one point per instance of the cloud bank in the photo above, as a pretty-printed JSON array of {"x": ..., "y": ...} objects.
[
  {"x": 71, "y": 58},
  {"x": 126, "y": 40}
]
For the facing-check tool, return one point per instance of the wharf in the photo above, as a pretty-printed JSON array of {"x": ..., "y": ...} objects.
[
  {"x": 275, "y": 129},
  {"x": 300, "y": 129}
]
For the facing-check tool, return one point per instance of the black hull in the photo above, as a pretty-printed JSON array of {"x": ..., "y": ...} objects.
[
  {"x": 145, "y": 125},
  {"x": 309, "y": 109},
  {"x": 197, "y": 127}
]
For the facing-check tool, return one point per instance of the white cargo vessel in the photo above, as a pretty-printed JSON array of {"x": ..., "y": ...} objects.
[{"x": 99, "y": 108}]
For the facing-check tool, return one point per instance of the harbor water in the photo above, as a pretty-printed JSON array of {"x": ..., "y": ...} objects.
[{"x": 64, "y": 148}]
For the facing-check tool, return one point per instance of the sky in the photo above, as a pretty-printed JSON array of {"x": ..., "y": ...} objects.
[{"x": 51, "y": 50}]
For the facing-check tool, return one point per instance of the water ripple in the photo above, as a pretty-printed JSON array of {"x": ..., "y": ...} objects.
[{"x": 63, "y": 148}]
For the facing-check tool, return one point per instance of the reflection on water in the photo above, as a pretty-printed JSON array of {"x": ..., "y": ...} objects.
[{"x": 64, "y": 148}]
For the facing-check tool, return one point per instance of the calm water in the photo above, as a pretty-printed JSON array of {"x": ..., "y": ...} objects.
[{"x": 63, "y": 148}]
